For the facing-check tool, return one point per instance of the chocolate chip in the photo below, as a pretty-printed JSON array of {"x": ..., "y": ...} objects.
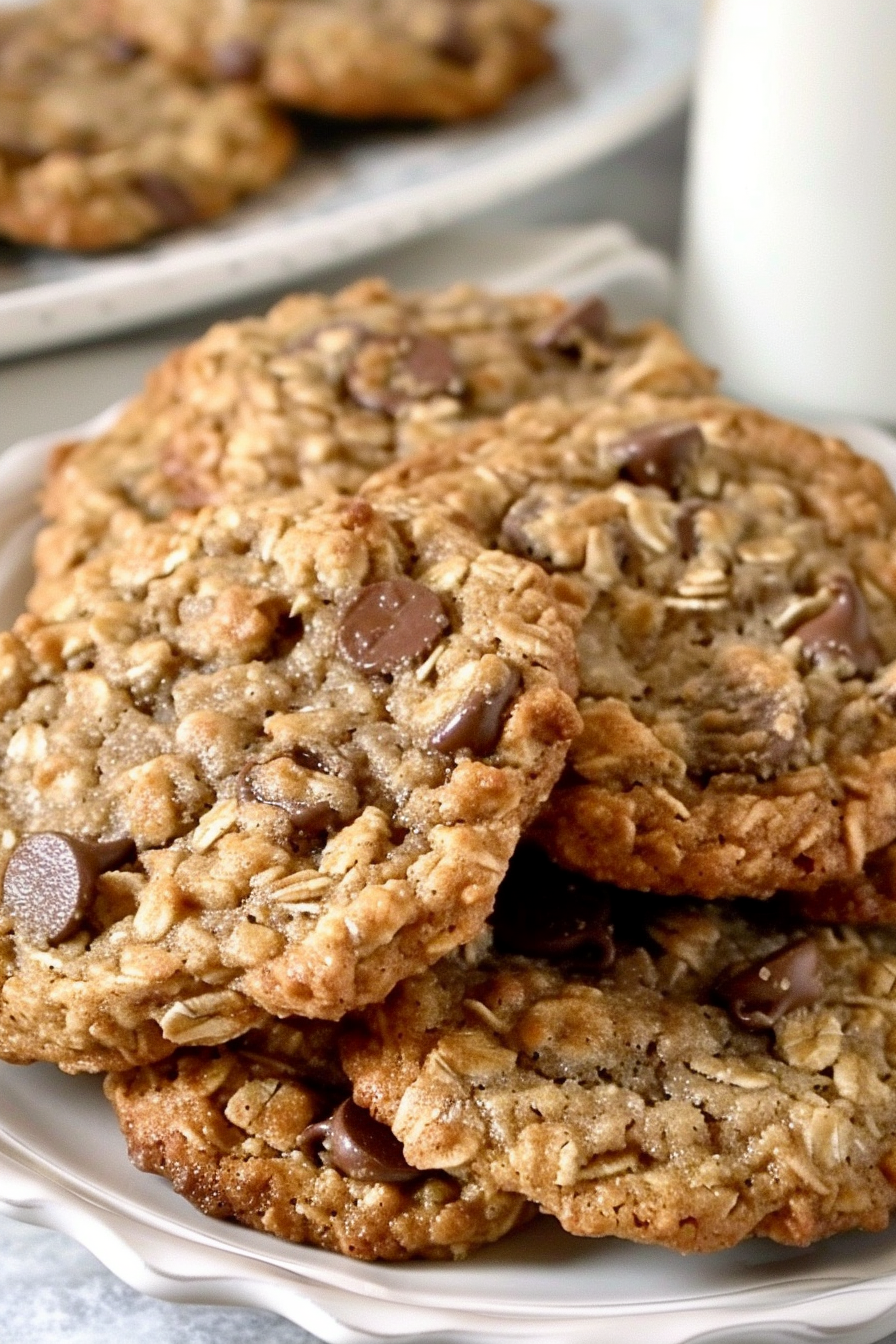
[
  {"x": 237, "y": 58},
  {"x": 169, "y": 199},
  {"x": 430, "y": 366},
  {"x": 456, "y": 42},
  {"x": 544, "y": 911},
  {"x": 686, "y": 527},
  {"x": 588, "y": 320},
  {"x": 517, "y": 534},
  {"x": 17, "y": 153},
  {"x": 49, "y": 882},
  {"x": 760, "y": 994},
  {"x": 659, "y": 454},
  {"x": 306, "y": 815},
  {"x": 549, "y": 524},
  {"x": 478, "y": 723},
  {"x": 391, "y": 624},
  {"x": 120, "y": 50},
  {"x": 358, "y": 1146},
  {"x": 310, "y": 760},
  {"x": 388, "y": 374},
  {"x": 842, "y": 630}
]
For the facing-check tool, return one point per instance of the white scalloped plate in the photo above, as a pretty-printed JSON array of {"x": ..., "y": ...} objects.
[
  {"x": 63, "y": 1165},
  {"x": 624, "y": 65}
]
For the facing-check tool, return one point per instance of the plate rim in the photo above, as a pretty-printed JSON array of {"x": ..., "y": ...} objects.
[{"x": 223, "y": 1276}]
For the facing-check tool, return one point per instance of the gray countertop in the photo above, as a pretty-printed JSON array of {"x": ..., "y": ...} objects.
[{"x": 51, "y": 1290}]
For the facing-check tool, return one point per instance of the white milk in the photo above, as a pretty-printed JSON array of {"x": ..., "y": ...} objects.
[{"x": 789, "y": 280}]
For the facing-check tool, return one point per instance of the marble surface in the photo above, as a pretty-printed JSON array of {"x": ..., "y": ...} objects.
[{"x": 54, "y": 1292}]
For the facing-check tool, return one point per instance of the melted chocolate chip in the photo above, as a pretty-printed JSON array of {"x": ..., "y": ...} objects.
[
  {"x": 389, "y": 374},
  {"x": 517, "y": 534},
  {"x": 311, "y": 815},
  {"x": 659, "y": 454},
  {"x": 49, "y": 882},
  {"x": 842, "y": 630},
  {"x": 391, "y": 624},
  {"x": 544, "y": 911},
  {"x": 588, "y": 320},
  {"x": 17, "y": 154},
  {"x": 358, "y": 1146},
  {"x": 430, "y": 366},
  {"x": 763, "y": 992},
  {"x": 478, "y": 723},
  {"x": 686, "y": 527},
  {"x": 237, "y": 58},
  {"x": 310, "y": 760},
  {"x": 120, "y": 50},
  {"x": 456, "y": 41},
  {"x": 169, "y": 199},
  {"x": 245, "y": 791}
]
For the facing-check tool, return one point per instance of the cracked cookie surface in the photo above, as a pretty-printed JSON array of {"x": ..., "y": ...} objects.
[
  {"x": 408, "y": 59},
  {"x": 102, "y": 146},
  {"x": 325, "y": 390},
  {"x": 229, "y": 1129},
  {"x": 322, "y": 726},
  {"x": 731, "y": 1075},
  {"x": 739, "y": 654}
]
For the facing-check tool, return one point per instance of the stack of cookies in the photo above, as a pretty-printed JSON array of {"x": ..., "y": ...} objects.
[
  {"x": 449, "y": 771},
  {"x": 121, "y": 119}
]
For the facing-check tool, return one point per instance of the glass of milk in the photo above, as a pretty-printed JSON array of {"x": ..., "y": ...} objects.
[{"x": 789, "y": 271}]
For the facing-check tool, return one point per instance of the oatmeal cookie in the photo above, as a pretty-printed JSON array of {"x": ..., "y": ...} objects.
[
  {"x": 102, "y": 146},
  {"x": 256, "y": 1132},
  {"x": 325, "y": 390},
  {"x": 440, "y": 59},
  {"x": 869, "y": 898},
  {"x": 738, "y": 661},
  {"x": 700, "y": 1074},
  {"x": 313, "y": 733}
]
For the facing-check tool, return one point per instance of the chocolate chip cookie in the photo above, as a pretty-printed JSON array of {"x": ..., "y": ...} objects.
[
  {"x": 325, "y": 390},
  {"x": 102, "y": 145},
  {"x": 260, "y": 1133},
  {"x": 274, "y": 754},
  {"x": 684, "y": 1075},
  {"x": 440, "y": 59},
  {"x": 739, "y": 655}
]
